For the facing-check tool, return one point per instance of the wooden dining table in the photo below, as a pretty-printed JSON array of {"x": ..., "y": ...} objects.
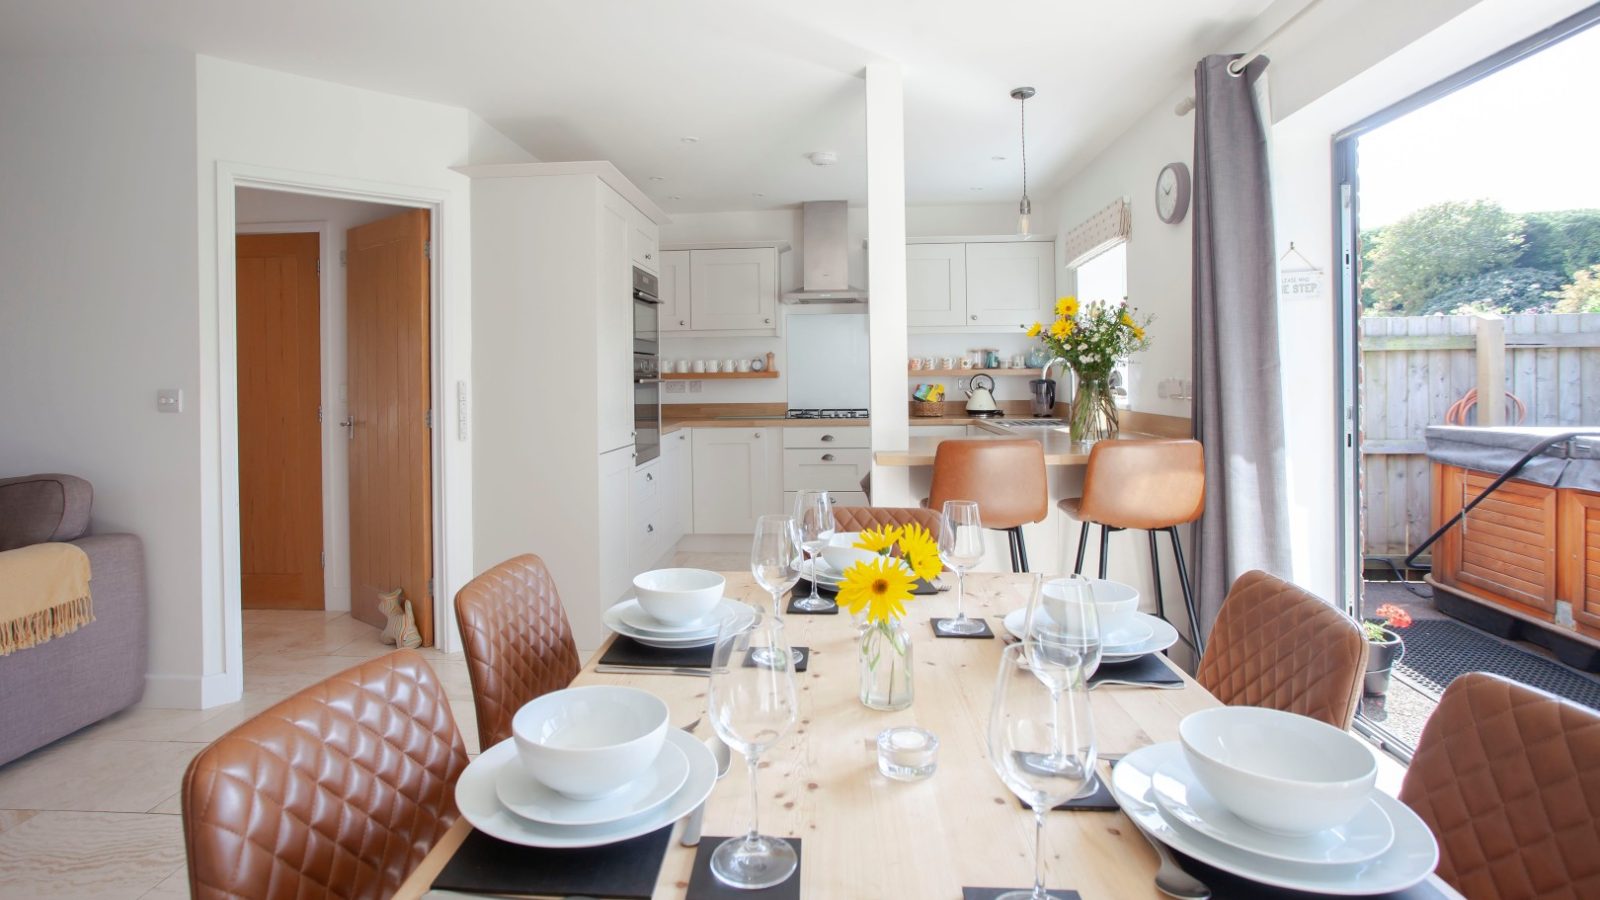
[{"x": 866, "y": 836}]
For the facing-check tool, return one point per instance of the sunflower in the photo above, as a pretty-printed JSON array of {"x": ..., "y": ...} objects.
[
  {"x": 880, "y": 587},
  {"x": 1067, "y": 306},
  {"x": 1138, "y": 333},
  {"x": 1035, "y": 329},
  {"x": 921, "y": 552},
  {"x": 878, "y": 540},
  {"x": 1060, "y": 328}
]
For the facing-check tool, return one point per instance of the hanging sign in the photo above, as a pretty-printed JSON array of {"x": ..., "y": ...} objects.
[{"x": 1303, "y": 282}]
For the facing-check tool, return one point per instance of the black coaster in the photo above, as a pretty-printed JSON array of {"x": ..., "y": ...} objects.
[
  {"x": 625, "y": 651},
  {"x": 805, "y": 659},
  {"x": 802, "y": 588},
  {"x": 704, "y": 886},
  {"x": 985, "y": 634},
  {"x": 798, "y": 595},
  {"x": 992, "y": 892},
  {"x": 1100, "y": 800},
  {"x": 486, "y": 865},
  {"x": 1149, "y": 670}
]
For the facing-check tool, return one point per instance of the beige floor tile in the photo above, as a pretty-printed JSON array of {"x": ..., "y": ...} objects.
[
  {"x": 93, "y": 775},
  {"x": 716, "y": 562},
  {"x": 173, "y": 887},
  {"x": 467, "y": 720},
  {"x": 11, "y": 818},
  {"x": 88, "y": 854},
  {"x": 172, "y": 806}
]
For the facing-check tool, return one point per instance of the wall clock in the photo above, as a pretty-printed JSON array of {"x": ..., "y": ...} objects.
[{"x": 1172, "y": 193}]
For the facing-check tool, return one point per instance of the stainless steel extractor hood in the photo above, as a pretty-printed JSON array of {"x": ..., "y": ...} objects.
[{"x": 825, "y": 251}]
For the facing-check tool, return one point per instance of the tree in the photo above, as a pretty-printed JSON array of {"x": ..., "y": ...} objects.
[
  {"x": 1563, "y": 241},
  {"x": 1582, "y": 294},
  {"x": 1503, "y": 291},
  {"x": 1435, "y": 249}
]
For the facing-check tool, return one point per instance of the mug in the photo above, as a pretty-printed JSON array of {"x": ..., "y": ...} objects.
[
  {"x": 699, "y": 365},
  {"x": 1018, "y": 362},
  {"x": 927, "y": 362},
  {"x": 744, "y": 365},
  {"x": 966, "y": 362},
  {"x": 713, "y": 366},
  {"x": 947, "y": 362},
  {"x": 991, "y": 359},
  {"x": 727, "y": 365},
  {"x": 916, "y": 364},
  {"x": 683, "y": 366}
]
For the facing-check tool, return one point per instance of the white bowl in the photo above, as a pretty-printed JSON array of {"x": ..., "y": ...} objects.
[
  {"x": 840, "y": 558},
  {"x": 587, "y": 742},
  {"x": 1281, "y": 772},
  {"x": 678, "y": 596},
  {"x": 1115, "y": 604}
]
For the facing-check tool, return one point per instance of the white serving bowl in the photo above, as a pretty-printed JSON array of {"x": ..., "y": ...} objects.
[
  {"x": 843, "y": 557},
  {"x": 1281, "y": 772},
  {"x": 586, "y": 742},
  {"x": 1115, "y": 604},
  {"x": 678, "y": 596}
]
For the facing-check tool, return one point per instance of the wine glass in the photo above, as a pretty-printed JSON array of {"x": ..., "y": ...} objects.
[
  {"x": 1041, "y": 739},
  {"x": 1070, "y": 623},
  {"x": 775, "y": 562},
  {"x": 961, "y": 548},
  {"x": 813, "y": 512},
  {"x": 751, "y": 708}
]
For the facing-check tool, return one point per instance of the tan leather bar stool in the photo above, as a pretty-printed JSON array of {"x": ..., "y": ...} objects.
[
  {"x": 1007, "y": 480},
  {"x": 1152, "y": 485}
]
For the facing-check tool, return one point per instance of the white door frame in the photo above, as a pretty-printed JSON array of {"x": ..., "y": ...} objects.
[{"x": 231, "y": 176}]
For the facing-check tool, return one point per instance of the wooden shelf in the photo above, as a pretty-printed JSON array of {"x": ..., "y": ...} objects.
[
  {"x": 714, "y": 376},
  {"x": 968, "y": 373}
]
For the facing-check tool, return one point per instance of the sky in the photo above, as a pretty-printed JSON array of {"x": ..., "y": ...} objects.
[{"x": 1527, "y": 136}]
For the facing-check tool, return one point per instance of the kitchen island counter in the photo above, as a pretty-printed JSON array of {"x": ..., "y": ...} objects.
[{"x": 1059, "y": 449}]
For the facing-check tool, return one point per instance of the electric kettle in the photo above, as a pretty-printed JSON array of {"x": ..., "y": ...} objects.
[{"x": 980, "y": 400}]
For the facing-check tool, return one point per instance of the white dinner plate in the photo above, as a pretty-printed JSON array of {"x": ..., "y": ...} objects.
[
  {"x": 633, "y": 615},
  {"x": 726, "y": 609},
  {"x": 475, "y": 797},
  {"x": 1162, "y": 636},
  {"x": 1181, "y": 798},
  {"x": 527, "y": 797},
  {"x": 1129, "y": 644},
  {"x": 1410, "y": 859},
  {"x": 820, "y": 570}
]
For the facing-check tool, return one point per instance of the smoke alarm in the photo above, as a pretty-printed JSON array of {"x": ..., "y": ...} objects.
[{"x": 824, "y": 158}]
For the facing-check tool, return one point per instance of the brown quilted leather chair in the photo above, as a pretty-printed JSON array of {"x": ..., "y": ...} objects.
[
  {"x": 1508, "y": 778},
  {"x": 518, "y": 642},
  {"x": 1278, "y": 646},
  {"x": 338, "y": 791},
  {"x": 858, "y": 518},
  {"x": 1005, "y": 477}
]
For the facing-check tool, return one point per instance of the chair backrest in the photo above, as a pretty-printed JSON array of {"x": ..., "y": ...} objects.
[
  {"x": 517, "y": 639},
  {"x": 1005, "y": 477},
  {"x": 859, "y": 518},
  {"x": 1144, "y": 483},
  {"x": 338, "y": 791},
  {"x": 1508, "y": 778},
  {"x": 1278, "y": 646}
]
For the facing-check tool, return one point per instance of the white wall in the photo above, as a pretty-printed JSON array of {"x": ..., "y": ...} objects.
[
  {"x": 97, "y": 305},
  {"x": 269, "y": 212}
]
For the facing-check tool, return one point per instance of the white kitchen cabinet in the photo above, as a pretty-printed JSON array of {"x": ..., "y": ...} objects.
[
  {"x": 674, "y": 290},
  {"x": 936, "y": 284},
  {"x": 612, "y": 531},
  {"x": 677, "y": 457},
  {"x": 736, "y": 478},
  {"x": 649, "y": 534},
  {"x": 614, "y": 311},
  {"x": 829, "y": 458},
  {"x": 733, "y": 289},
  {"x": 1010, "y": 283},
  {"x": 643, "y": 244}
]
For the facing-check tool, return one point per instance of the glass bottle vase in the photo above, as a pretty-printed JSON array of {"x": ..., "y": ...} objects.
[
  {"x": 1094, "y": 410},
  {"x": 885, "y": 661}
]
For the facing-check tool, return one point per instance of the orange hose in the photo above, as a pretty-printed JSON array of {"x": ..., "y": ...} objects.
[{"x": 1457, "y": 414}]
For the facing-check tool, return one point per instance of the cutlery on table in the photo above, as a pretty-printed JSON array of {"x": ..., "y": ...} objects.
[
  {"x": 1171, "y": 879},
  {"x": 724, "y": 757},
  {"x": 695, "y": 671}
]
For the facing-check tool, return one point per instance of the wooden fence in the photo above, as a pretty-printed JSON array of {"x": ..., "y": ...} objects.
[{"x": 1415, "y": 368}]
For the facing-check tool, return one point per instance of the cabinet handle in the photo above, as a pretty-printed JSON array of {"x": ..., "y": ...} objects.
[
  {"x": 649, "y": 476},
  {"x": 974, "y": 317},
  {"x": 827, "y": 438},
  {"x": 682, "y": 322},
  {"x": 768, "y": 321},
  {"x": 649, "y": 256},
  {"x": 758, "y": 435},
  {"x": 648, "y": 529},
  {"x": 827, "y": 457}
]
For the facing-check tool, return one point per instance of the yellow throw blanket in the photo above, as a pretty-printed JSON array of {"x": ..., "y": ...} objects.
[{"x": 44, "y": 593}]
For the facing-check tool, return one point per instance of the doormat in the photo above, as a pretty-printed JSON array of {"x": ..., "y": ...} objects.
[{"x": 1440, "y": 650}]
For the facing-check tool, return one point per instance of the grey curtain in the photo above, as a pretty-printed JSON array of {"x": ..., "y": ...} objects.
[{"x": 1238, "y": 412}]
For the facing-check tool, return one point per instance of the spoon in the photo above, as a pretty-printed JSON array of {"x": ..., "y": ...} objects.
[{"x": 691, "y": 828}]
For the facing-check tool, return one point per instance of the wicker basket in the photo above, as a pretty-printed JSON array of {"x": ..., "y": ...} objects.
[{"x": 927, "y": 409}]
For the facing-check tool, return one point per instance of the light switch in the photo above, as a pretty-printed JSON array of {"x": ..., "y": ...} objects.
[{"x": 169, "y": 400}]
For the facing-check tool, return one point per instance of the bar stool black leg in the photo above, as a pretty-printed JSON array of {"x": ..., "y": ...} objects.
[
  {"x": 1155, "y": 575},
  {"x": 1011, "y": 540},
  {"x": 1083, "y": 544},
  {"x": 1105, "y": 545},
  {"x": 1188, "y": 591},
  {"x": 1022, "y": 548}
]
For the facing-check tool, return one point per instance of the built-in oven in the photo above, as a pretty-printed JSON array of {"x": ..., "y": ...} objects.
[
  {"x": 646, "y": 408},
  {"x": 646, "y": 312}
]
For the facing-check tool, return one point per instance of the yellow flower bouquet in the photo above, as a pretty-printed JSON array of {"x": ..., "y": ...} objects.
[
  {"x": 1092, "y": 338},
  {"x": 878, "y": 590}
]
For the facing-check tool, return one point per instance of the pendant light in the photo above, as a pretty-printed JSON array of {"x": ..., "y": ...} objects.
[{"x": 1025, "y": 208}]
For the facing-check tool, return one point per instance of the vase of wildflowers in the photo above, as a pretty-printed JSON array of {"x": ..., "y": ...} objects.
[
  {"x": 878, "y": 591},
  {"x": 1091, "y": 339}
]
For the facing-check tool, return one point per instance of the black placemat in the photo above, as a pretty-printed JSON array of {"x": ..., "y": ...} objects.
[
  {"x": 1234, "y": 887},
  {"x": 1098, "y": 800},
  {"x": 985, "y": 634},
  {"x": 704, "y": 886},
  {"x": 1149, "y": 670},
  {"x": 971, "y": 893},
  {"x": 625, "y": 651},
  {"x": 798, "y": 595},
  {"x": 627, "y": 870},
  {"x": 805, "y": 658}
]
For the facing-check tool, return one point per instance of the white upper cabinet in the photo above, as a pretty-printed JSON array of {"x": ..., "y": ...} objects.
[
  {"x": 643, "y": 243},
  {"x": 675, "y": 290},
  {"x": 733, "y": 290},
  {"x": 1009, "y": 283},
  {"x": 936, "y": 284}
]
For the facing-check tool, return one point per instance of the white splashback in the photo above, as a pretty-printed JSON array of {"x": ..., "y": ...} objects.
[{"x": 827, "y": 361}]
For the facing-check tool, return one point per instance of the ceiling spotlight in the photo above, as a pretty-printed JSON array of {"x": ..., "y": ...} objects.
[
  {"x": 998, "y": 158},
  {"x": 758, "y": 194},
  {"x": 674, "y": 197},
  {"x": 977, "y": 188},
  {"x": 823, "y": 158},
  {"x": 689, "y": 139},
  {"x": 657, "y": 178}
]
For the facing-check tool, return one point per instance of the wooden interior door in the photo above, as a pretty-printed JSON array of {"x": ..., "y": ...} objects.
[
  {"x": 391, "y": 494},
  {"x": 280, "y": 438}
]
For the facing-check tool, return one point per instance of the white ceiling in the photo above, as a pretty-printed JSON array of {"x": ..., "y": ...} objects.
[{"x": 761, "y": 83}]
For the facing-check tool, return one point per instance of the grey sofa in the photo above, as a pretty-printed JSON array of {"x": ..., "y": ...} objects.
[{"x": 53, "y": 689}]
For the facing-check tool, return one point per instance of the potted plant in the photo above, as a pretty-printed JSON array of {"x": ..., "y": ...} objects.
[
  {"x": 1092, "y": 339},
  {"x": 878, "y": 591},
  {"x": 1385, "y": 646}
]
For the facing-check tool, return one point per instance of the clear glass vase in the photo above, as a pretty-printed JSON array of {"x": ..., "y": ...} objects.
[
  {"x": 1094, "y": 410},
  {"x": 885, "y": 659}
]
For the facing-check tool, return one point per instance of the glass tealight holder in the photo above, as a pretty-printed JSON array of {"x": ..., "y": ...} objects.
[{"x": 907, "y": 753}]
